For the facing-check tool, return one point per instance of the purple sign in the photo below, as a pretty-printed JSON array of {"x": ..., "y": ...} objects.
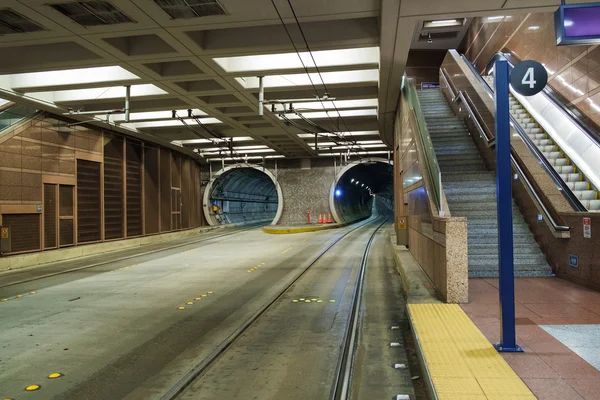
[{"x": 584, "y": 21}]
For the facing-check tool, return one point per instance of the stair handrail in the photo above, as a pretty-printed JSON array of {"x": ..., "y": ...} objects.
[
  {"x": 435, "y": 174},
  {"x": 489, "y": 139},
  {"x": 558, "y": 181},
  {"x": 550, "y": 94}
]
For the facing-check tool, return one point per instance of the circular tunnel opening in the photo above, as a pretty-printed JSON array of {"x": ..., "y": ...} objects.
[
  {"x": 242, "y": 194},
  {"x": 361, "y": 189}
]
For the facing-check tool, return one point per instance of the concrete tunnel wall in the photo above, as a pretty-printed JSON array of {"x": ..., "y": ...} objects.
[
  {"x": 244, "y": 193},
  {"x": 349, "y": 197},
  {"x": 299, "y": 184}
]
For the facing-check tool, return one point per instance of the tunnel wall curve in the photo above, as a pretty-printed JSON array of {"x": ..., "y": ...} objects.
[
  {"x": 206, "y": 200},
  {"x": 337, "y": 215}
]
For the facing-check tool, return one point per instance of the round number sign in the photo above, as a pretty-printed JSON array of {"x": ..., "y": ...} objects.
[{"x": 528, "y": 78}]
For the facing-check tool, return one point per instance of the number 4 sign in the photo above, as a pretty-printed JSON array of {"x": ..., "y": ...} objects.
[{"x": 528, "y": 78}]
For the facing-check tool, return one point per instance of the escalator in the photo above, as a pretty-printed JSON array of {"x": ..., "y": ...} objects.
[
  {"x": 470, "y": 190},
  {"x": 553, "y": 144},
  {"x": 575, "y": 180}
]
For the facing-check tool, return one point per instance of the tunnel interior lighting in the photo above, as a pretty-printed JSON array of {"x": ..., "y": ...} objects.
[
  {"x": 352, "y": 180},
  {"x": 444, "y": 22},
  {"x": 363, "y": 185}
]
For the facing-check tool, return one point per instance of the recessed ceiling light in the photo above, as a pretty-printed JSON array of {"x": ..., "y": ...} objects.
[
  {"x": 533, "y": 28},
  {"x": 496, "y": 18}
]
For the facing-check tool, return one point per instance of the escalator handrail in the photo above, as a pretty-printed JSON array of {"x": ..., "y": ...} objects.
[
  {"x": 549, "y": 93},
  {"x": 560, "y": 183},
  {"x": 486, "y": 135}
]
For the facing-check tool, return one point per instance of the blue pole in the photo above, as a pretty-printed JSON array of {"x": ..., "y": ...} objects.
[{"x": 504, "y": 204}]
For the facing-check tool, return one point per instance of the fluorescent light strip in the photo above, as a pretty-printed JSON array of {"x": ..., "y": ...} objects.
[
  {"x": 249, "y": 158},
  {"x": 334, "y": 114},
  {"x": 156, "y": 115},
  {"x": 67, "y": 77},
  {"x": 330, "y": 78},
  {"x": 170, "y": 123},
  {"x": 329, "y": 105},
  {"x": 323, "y": 58},
  {"x": 199, "y": 141},
  {"x": 344, "y": 134}
]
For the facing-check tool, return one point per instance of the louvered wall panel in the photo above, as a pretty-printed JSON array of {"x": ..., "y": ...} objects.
[
  {"x": 185, "y": 193},
  {"x": 67, "y": 235},
  {"x": 151, "y": 194},
  {"x": 24, "y": 231},
  {"x": 113, "y": 188},
  {"x": 165, "y": 190},
  {"x": 88, "y": 201},
  {"x": 50, "y": 216},
  {"x": 134, "y": 188},
  {"x": 66, "y": 209}
]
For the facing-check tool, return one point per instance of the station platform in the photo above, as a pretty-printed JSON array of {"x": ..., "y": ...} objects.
[
  {"x": 286, "y": 230},
  {"x": 558, "y": 323}
]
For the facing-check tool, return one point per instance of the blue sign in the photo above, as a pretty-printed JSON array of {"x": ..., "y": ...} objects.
[
  {"x": 577, "y": 24},
  {"x": 573, "y": 261},
  {"x": 430, "y": 85}
]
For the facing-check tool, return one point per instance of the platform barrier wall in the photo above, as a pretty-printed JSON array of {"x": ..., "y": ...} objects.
[
  {"x": 63, "y": 185},
  {"x": 437, "y": 242},
  {"x": 557, "y": 247}
]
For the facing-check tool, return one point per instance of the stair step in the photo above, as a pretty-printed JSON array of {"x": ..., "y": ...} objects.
[
  {"x": 491, "y": 249},
  {"x": 493, "y": 239}
]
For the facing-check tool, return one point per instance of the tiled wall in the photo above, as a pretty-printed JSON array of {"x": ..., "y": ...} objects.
[{"x": 574, "y": 71}]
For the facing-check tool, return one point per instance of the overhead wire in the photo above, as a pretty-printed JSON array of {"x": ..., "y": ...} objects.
[
  {"x": 317, "y": 67},
  {"x": 309, "y": 75}
]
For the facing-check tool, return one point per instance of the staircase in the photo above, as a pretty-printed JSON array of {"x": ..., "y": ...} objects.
[
  {"x": 575, "y": 180},
  {"x": 470, "y": 189}
]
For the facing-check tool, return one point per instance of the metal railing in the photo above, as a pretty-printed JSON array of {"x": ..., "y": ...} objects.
[
  {"x": 490, "y": 139},
  {"x": 15, "y": 114},
  {"x": 433, "y": 168},
  {"x": 543, "y": 161}
]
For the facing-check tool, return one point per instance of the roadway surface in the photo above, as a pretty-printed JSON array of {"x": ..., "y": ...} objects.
[{"x": 116, "y": 330}]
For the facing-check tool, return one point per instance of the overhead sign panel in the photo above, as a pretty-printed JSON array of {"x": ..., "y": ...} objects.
[{"x": 577, "y": 24}]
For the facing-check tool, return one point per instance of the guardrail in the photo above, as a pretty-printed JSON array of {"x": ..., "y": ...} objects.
[
  {"x": 490, "y": 140},
  {"x": 435, "y": 175}
]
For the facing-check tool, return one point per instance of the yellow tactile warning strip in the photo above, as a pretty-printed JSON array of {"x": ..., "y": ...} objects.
[{"x": 461, "y": 361}]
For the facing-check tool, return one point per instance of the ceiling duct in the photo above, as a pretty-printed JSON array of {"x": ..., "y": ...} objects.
[
  {"x": 183, "y": 9},
  {"x": 13, "y": 22},
  {"x": 92, "y": 12}
]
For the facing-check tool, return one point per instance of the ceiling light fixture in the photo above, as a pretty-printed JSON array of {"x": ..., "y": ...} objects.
[
  {"x": 430, "y": 40},
  {"x": 445, "y": 21}
]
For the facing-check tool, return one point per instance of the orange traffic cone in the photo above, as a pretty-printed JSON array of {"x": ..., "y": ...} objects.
[
  {"x": 329, "y": 221},
  {"x": 320, "y": 218}
]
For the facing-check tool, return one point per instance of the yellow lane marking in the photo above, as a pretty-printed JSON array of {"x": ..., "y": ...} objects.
[
  {"x": 18, "y": 296},
  {"x": 198, "y": 298},
  {"x": 3, "y": 300},
  {"x": 55, "y": 375},
  {"x": 210, "y": 292},
  {"x": 460, "y": 359},
  {"x": 189, "y": 303},
  {"x": 181, "y": 308},
  {"x": 32, "y": 388}
]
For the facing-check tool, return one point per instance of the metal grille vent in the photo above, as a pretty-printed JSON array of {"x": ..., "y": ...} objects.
[
  {"x": 181, "y": 9},
  {"x": 92, "y": 13},
  {"x": 13, "y": 22}
]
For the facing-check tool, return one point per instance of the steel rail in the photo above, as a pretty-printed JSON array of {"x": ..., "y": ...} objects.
[{"x": 343, "y": 377}]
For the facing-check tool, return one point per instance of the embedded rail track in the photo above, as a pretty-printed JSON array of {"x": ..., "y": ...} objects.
[{"x": 340, "y": 388}]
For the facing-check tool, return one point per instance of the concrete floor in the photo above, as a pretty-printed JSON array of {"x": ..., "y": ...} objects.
[{"x": 115, "y": 331}]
